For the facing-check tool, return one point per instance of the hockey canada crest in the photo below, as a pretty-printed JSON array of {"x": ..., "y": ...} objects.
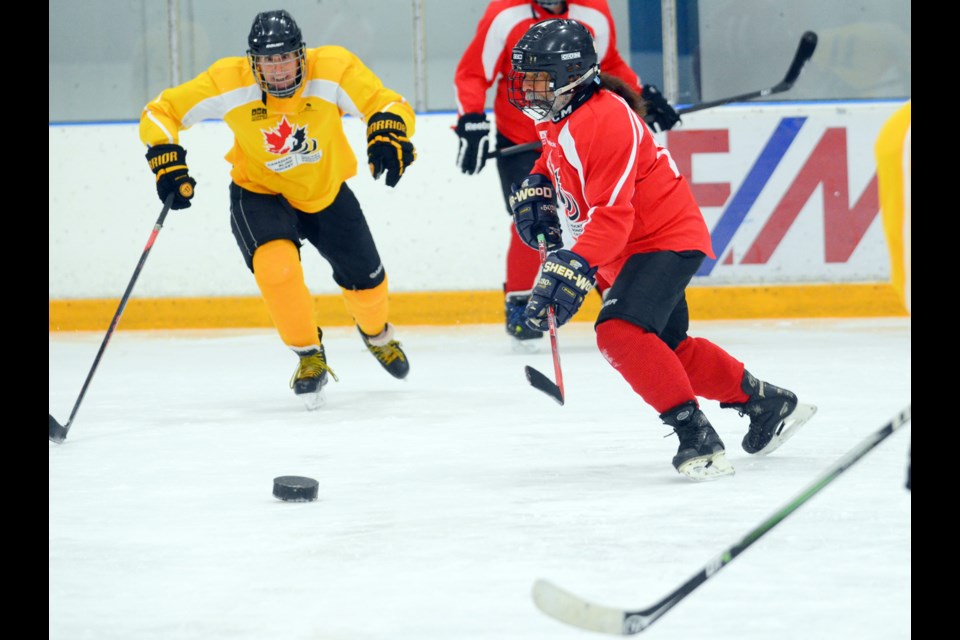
[{"x": 292, "y": 144}]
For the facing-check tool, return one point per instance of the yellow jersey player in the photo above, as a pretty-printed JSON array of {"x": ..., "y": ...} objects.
[
  {"x": 290, "y": 161},
  {"x": 892, "y": 151}
]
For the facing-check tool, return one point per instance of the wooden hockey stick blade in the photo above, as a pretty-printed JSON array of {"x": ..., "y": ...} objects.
[
  {"x": 539, "y": 381},
  {"x": 58, "y": 432}
]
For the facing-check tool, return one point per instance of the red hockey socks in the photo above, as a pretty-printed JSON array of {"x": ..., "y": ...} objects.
[
  {"x": 713, "y": 372},
  {"x": 647, "y": 363},
  {"x": 523, "y": 263}
]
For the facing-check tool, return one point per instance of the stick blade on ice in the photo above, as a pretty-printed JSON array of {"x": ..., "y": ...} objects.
[
  {"x": 57, "y": 433},
  {"x": 570, "y": 609},
  {"x": 573, "y": 610},
  {"x": 543, "y": 383}
]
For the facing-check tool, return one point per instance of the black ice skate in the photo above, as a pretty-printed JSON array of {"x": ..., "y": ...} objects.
[
  {"x": 312, "y": 375},
  {"x": 701, "y": 455},
  {"x": 523, "y": 336},
  {"x": 387, "y": 351},
  {"x": 775, "y": 414}
]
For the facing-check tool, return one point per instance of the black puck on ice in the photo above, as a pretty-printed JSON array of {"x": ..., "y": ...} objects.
[{"x": 295, "y": 488}]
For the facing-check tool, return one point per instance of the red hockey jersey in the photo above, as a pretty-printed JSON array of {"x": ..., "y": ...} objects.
[
  {"x": 619, "y": 192},
  {"x": 487, "y": 58}
]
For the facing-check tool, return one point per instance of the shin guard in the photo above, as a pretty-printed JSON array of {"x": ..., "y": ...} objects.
[
  {"x": 523, "y": 264},
  {"x": 369, "y": 308},
  {"x": 646, "y": 362},
  {"x": 713, "y": 372},
  {"x": 279, "y": 274}
]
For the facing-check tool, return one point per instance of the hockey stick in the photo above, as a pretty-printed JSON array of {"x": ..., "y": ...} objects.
[
  {"x": 574, "y": 610},
  {"x": 58, "y": 432},
  {"x": 513, "y": 150},
  {"x": 808, "y": 43},
  {"x": 534, "y": 377}
]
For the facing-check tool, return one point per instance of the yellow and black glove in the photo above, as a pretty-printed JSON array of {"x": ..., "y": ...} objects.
[
  {"x": 169, "y": 163},
  {"x": 388, "y": 147}
]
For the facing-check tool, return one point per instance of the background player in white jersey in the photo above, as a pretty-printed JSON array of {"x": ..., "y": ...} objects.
[{"x": 486, "y": 59}]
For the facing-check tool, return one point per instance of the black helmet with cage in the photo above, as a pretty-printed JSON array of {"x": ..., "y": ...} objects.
[
  {"x": 554, "y": 66},
  {"x": 275, "y": 39}
]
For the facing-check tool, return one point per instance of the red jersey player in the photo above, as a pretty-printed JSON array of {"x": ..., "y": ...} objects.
[
  {"x": 486, "y": 60},
  {"x": 631, "y": 219}
]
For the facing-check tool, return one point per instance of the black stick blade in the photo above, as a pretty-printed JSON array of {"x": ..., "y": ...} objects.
[
  {"x": 539, "y": 381},
  {"x": 58, "y": 433},
  {"x": 808, "y": 43}
]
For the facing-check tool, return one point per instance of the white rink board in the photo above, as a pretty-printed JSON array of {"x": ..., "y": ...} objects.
[{"x": 441, "y": 230}]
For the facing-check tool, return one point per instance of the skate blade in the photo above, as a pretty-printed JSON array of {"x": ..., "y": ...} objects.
[
  {"x": 703, "y": 468},
  {"x": 525, "y": 346},
  {"x": 315, "y": 400},
  {"x": 790, "y": 425}
]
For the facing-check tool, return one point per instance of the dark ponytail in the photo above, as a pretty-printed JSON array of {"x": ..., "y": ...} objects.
[{"x": 622, "y": 89}]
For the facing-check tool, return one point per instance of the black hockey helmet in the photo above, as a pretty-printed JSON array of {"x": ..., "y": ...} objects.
[
  {"x": 275, "y": 33},
  {"x": 562, "y": 49}
]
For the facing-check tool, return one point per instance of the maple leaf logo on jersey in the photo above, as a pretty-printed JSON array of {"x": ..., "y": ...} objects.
[
  {"x": 285, "y": 138},
  {"x": 290, "y": 142}
]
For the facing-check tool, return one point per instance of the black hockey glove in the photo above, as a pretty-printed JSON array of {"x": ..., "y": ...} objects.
[
  {"x": 534, "y": 207},
  {"x": 474, "y": 132},
  {"x": 388, "y": 147},
  {"x": 659, "y": 112},
  {"x": 564, "y": 280},
  {"x": 169, "y": 163}
]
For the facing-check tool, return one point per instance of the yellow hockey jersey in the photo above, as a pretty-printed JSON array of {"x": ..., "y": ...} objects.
[
  {"x": 293, "y": 146},
  {"x": 892, "y": 150}
]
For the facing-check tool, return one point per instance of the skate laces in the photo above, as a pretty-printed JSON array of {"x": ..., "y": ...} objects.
[
  {"x": 387, "y": 353},
  {"x": 313, "y": 365},
  {"x": 690, "y": 436},
  {"x": 694, "y": 433},
  {"x": 767, "y": 413},
  {"x": 383, "y": 346}
]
